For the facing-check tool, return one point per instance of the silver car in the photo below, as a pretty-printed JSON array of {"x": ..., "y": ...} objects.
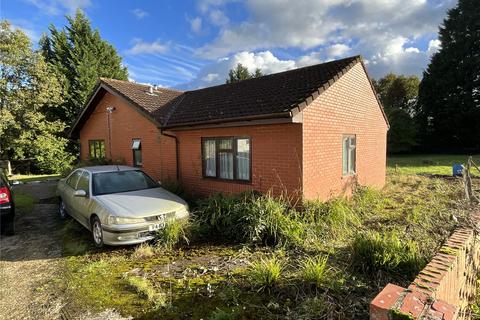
[{"x": 118, "y": 204}]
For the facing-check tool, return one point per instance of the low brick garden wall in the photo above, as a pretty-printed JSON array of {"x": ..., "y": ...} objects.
[{"x": 442, "y": 290}]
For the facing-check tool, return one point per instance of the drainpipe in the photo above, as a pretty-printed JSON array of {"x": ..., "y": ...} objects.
[
  {"x": 176, "y": 153},
  {"x": 109, "y": 112}
]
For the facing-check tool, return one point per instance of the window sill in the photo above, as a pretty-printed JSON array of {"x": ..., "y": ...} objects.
[{"x": 247, "y": 182}]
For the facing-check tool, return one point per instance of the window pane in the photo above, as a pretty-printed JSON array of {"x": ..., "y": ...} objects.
[
  {"x": 83, "y": 182},
  {"x": 345, "y": 146},
  {"x": 101, "y": 152},
  {"x": 209, "y": 158},
  {"x": 352, "y": 156},
  {"x": 137, "y": 157},
  {"x": 226, "y": 165},
  {"x": 73, "y": 179},
  {"x": 225, "y": 144},
  {"x": 136, "y": 144},
  {"x": 91, "y": 149},
  {"x": 243, "y": 159}
]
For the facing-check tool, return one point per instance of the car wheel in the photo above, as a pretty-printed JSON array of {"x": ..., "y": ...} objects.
[
  {"x": 62, "y": 211},
  {"x": 97, "y": 232}
]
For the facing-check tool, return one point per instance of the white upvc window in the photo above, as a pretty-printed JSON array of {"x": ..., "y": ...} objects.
[{"x": 349, "y": 157}]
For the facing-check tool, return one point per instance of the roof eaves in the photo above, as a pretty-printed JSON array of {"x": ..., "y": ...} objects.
[{"x": 89, "y": 100}]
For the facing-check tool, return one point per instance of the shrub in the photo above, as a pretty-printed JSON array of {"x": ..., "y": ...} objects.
[
  {"x": 373, "y": 251},
  {"x": 172, "y": 234},
  {"x": 265, "y": 273},
  {"x": 249, "y": 217},
  {"x": 144, "y": 288},
  {"x": 313, "y": 270}
]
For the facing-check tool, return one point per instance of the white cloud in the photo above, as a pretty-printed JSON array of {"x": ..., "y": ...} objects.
[
  {"x": 434, "y": 45},
  {"x": 140, "y": 14},
  {"x": 57, "y": 7},
  {"x": 218, "y": 18},
  {"x": 141, "y": 47},
  {"x": 196, "y": 24},
  {"x": 328, "y": 29},
  {"x": 217, "y": 72}
]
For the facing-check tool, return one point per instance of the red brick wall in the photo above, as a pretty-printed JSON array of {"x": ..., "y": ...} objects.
[
  {"x": 444, "y": 289},
  {"x": 349, "y": 106},
  {"x": 276, "y": 159},
  {"x": 158, "y": 152}
]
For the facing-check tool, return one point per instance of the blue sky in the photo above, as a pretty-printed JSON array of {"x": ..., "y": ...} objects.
[{"x": 190, "y": 44}]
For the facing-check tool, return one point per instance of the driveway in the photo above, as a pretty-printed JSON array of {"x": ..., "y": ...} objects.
[{"x": 29, "y": 260}]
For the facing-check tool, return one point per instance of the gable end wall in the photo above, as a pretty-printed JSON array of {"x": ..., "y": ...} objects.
[{"x": 349, "y": 106}]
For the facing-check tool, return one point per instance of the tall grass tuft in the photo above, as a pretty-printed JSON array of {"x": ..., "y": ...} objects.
[
  {"x": 172, "y": 234},
  {"x": 372, "y": 252},
  {"x": 143, "y": 251},
  {"x": 266, "y": 272},
  {"x": 314, "y": 270}
]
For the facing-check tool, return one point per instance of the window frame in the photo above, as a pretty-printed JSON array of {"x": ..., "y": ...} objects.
[
  {"x": 96, "y": 148},
  {"x": 137, "y": 149},
  {"x": 234, "y": 151},
  {"x": 349, "y": 137}
]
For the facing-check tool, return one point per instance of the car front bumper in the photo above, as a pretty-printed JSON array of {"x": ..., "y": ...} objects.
[{"x": 117, "y": 235}]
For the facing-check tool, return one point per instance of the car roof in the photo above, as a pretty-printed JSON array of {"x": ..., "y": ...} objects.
[{"x": 108, "y": 168}]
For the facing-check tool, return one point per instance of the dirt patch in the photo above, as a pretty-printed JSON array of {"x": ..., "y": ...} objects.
[{"x": 30, "y": 259}]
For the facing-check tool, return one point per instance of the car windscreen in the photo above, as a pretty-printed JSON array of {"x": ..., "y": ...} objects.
[{"x": 121, "y": 181}]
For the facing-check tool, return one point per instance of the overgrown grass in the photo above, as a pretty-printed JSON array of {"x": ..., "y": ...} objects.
[
  {"x": 145, "y": 289},
  {"x": 143, "y": 251},
  {"x": 376, "y": 237},
  {"x": 313, "y": 270},
  {"x": 373, "y": 252},
  {"x": 440, "y": 164},
  {"x": 266, "y": 272},
  {"x": 172, "y": 234}
]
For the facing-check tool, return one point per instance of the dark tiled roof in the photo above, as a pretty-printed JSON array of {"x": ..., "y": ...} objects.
[
  {"x": 140, "y": 95},
  {"x": 271, "y": 94},
  {"x": 268, "y": 96}
]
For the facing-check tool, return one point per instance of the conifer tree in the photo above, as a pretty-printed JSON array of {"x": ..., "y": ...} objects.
[{"x": 449, "y": 96}]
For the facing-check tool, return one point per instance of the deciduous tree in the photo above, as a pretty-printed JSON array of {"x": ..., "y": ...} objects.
[{"x": 240, "y": 72}]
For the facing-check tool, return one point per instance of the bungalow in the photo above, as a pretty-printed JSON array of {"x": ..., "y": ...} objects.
[{"x": 312, "y": 132}]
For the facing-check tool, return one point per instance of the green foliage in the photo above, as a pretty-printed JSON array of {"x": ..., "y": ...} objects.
[
  {"x": 426, "y": 163},
  {"x": 373, "y": 251},
  {"x": 249, "y": 217},
  {"x": 313, "y": 270},
  {"x": 266, "y": 272},
  {"x": 29, "y": 89},
  {"x": 398, "y": 95},
  {"x": 80, "y": 56},
  {"x": 241, "y": 72},
  {"x": 450, "y": 89},
  {"x": 172, "y": 234},
  {"x": 220, "y": 314},
  {"x": 144, "y": 288}
]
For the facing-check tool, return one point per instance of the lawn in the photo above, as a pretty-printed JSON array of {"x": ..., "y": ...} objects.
[
  {"x": 23, "y": 202},
  {"x": 427, "y": 163},
  {"x": 256, "y": 257},
  {"x": 33, "y": 177}
]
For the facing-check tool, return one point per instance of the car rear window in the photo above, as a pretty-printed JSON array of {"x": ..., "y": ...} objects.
[{"x": 121, "y": 181}]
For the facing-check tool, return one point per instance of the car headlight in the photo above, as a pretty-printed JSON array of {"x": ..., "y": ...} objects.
[{"x": 124, "y": 220}]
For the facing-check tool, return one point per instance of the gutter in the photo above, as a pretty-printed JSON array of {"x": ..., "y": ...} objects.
[
  {"x": 285, "y": 114},
  {"x": 177, "y": 169}
]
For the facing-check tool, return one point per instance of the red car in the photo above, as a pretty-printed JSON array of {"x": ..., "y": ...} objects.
[{"x": 7, "y": 207}]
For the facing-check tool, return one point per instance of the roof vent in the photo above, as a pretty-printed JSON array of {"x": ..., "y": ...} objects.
[{"x": 150, "y": 90}]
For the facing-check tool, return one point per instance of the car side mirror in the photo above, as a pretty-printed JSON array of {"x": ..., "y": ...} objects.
[{"x": 80, "y": 193}]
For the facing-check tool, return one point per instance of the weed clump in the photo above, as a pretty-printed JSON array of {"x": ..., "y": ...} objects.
[
  {"x": 143, "y": 251},
  {"x": 373, "y": 252},
  {"x": 314, "y": 270},
  {"x": 173, "y": 233},
  {"x": 266, "y": 272}
]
